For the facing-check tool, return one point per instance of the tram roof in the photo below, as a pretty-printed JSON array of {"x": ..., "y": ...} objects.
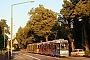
[
  {"x": 44, "y": 42},
  {"x": 49, "y": 42},
  {"x": 60, "y": 41}
]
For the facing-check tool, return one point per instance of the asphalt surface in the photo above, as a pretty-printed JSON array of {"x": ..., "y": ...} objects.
[{"x": 29, "y": 56}]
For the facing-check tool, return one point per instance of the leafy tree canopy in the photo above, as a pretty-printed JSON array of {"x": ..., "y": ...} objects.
[
  {"x": 82, "y": 8},
  {"x": 67, "y": 10},
  {"x": 42, "y": 20},
  {"x": 21, "y": 37},
  {"x": 4, "y": 30}
]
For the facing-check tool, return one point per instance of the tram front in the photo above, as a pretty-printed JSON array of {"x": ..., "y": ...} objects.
[{"x": 61, "y": 48}]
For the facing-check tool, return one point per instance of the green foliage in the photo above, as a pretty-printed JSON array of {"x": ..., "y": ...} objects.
[
  {"x": 2, "y": 51},
  {"x": 42, "y": 20},
  {"x": 77, "y": 9},
  {"x": 60, "y": 31},
  {"x": 67, "y": 10},
  {"x": 21, "y": 37},
  {"x": 82, "y": 11},
  {"x": 88, "y": 53},
  {"x": 82, "y": 8},
  {"x": 3, "y": 27},
  {"x": 42, "y": 23}
]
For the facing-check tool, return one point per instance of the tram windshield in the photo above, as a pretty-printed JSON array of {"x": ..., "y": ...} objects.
[{"x": 63, "y": 46}]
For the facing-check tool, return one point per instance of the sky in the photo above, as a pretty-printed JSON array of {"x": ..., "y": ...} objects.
[{"x": 20, "y": 12}]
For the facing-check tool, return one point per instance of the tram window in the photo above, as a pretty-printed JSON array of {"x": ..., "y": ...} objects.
[
  {"x": 63, "y": 46},
  {"x": 57, "y": 46},
  {"x": 54, "y": 46},
  {"x": 42, "y": 46},
  {"x": 67, "y": 46},
  {"x": 49, "y": 46},
  {"x": 38, "y": 46}
]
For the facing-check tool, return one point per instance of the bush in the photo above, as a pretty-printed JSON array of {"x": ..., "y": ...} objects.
[
  {"x": 2, "y": 51},
  {"x": 88, "y": 53}
]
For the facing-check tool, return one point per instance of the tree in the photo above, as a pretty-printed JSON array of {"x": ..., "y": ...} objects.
[
  {"x": 58, "y": 29},
  {"x": 76, "y": 10},
  {"x": 3, "y": 27},
  {"x": 82, "y": 10},
  {"x": 67, "y": 12},
  {"x": 30, "y": 32},
  {"x": 21, "y": 37},
  {"x": 42, "y": 20}
]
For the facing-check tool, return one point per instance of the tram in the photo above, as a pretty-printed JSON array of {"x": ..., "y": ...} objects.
[{"x": 59, "y": 47}]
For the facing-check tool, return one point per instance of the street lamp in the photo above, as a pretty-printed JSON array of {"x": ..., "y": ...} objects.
[{"x": 11, "y": 19}]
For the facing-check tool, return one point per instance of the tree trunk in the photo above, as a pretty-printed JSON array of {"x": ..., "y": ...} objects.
[
  {"x": 86, "y": 46},
  {"x": 85, "y": 37},
  {"x": 72, "y": 44},
  {"x": 71, "y": 41},
  {"x": 46, "y": 38},
  {"x": 40, "y": 41}
]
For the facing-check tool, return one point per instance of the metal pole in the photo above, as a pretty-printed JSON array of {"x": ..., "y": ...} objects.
[
  {"x": 8, "y": 50},
  {"x": 11, "y": 21}
]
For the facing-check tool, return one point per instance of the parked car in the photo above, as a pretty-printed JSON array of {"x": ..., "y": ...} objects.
[{"x": 78, "y": 52}]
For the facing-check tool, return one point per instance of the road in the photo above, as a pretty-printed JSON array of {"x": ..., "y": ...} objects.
[{"x": 29, "y": 56}]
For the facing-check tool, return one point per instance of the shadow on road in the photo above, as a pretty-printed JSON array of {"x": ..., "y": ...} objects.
[
  {"x": 13, "y": 56},
  {"x": 88, "y": 57}
]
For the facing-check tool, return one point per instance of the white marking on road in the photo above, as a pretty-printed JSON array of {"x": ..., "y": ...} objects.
[{"x": 31, "y": 56}]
